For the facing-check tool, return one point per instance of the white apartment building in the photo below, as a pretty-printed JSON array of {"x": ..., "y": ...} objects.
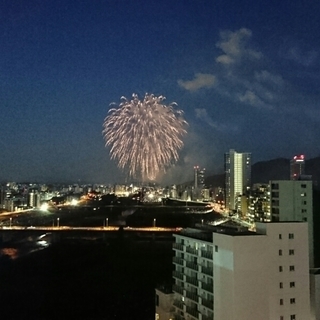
[
  {"x": 229, "y": 274},
  {"x": 291, "y": 200}
]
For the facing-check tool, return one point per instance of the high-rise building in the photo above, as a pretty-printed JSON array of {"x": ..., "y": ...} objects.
[
  {"x": 237, "y": 176},
  {"x": 297, "y": 165},
  {"x": 199, "y": 175},
  {"x": 291, "y": 200},
  {"x": 228, "y": 274}
]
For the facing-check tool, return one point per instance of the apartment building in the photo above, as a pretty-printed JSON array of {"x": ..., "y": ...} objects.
[{"x": 224, "y": 273}]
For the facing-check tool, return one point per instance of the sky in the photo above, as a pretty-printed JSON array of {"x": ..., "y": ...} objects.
[{"x": 246, "y": 74}]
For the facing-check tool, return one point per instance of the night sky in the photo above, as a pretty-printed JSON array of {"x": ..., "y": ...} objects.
[{"x": 245, "y": 72}]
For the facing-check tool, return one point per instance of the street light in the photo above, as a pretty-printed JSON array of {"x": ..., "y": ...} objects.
[
  {"x": 154, "y": 222},
  {"x": 58, "y": 220},
  {"x": 107, "y": 222},
  {"x": 10, "y": 222}
]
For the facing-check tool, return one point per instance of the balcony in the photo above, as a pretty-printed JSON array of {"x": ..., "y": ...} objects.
[
  {"x": 207, "y": 270},
  {"x": 178, "y": 275},
  {"x": 177, "y": 260},
  {"x": 207, "y": 286},
  {"x": 192, "y": 296},
  {"x": 192, "y": 280},
  {"x": 192, "y": 250},
  {"x": 193, "y": 311},
  {"x": 192, "y": 265},
  {"x": 179, "y": 317},
  {"x": 178, "y": 289},
  {"x": 206, "y": 254},
  {"x": 207, "y": 303},
  {"x": 178, "y": 304},
  {"x": 204, "y": 317},
  {"x": 177, "y": 246}
]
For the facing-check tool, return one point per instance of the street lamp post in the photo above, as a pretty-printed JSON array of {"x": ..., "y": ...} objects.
[
  {"x": 58, "y": 222},
  {"x": 10, "y": 222},
  {"x": 154, "y": 222},
  {"x": 107, "y": 222}
]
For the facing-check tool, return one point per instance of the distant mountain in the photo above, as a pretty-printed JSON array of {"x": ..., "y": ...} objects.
[{"x": 276, "y": 169}]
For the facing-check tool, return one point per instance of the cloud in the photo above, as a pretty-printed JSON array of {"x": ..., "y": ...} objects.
[
  {"x": 202, "y": 114},
  {"x": 201, "y": 80},
  {"x": 253, "y": 99},
  {"x": 234, "y": 46},
  {"x": 267, "y": 77},
  {"x": 306, "y": 59}
]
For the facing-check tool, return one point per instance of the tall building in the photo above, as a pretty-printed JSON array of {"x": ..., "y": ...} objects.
[
  {"x": 237, "y": 176},
  {"x": 199, "y": 175},
  {"x": 291, "y": 200},
  {"x": 228, "y": 274},
  {"x": 297, "y": 166}
]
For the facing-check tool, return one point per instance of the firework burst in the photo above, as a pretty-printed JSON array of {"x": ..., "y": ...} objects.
[{"x": 144, "y": 136}]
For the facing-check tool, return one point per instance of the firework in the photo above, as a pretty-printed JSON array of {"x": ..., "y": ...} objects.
[{"x": 144, "y": 136}]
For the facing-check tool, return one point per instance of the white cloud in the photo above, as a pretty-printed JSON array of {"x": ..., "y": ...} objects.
[
  {"x": 201, "y": 80},
  {"x": 267, "y": 77},
  {"x": 253, "y": 99},
  {"x": 203, "y": 115},
  {"x": 305, "y": 58},
  {"x": 234, "y": 46}
]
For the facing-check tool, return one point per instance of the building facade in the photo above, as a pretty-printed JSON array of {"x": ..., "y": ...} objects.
[
  {"x": 237, "y": 176},
  {"x": 225, "y": 274},
  {"x": 297, "y": 167},
  {"x": 292, "y": 200}
]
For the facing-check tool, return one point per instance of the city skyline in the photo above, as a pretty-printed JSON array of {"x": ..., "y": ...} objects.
[{"x": 245, "y": 76}]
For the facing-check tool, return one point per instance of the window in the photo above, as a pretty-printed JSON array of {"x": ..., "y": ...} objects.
[
  {"x": 280, "y": 252},
  {"x": 293, "y": 317},
  {"x": 304, "y": 202},
  {"x": 216, "y": 248},
  {"x": 281, "y": 317},
  {"x": 303, "y": 186},
  {"x": 281, "y": 302},
  {"x": 292, "y": 284},
  {"x": 292, "y": 301},
  {"x": 291, "y": 252},
  {"x": 280, "y": 236},
  {"x": 291, "y": 268},
  {"x": 275, "y": 186},
  {"x": 281, "y": 285},
  {"x": 280, "y": 268},
  {"x": 291, "y": 236}
]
